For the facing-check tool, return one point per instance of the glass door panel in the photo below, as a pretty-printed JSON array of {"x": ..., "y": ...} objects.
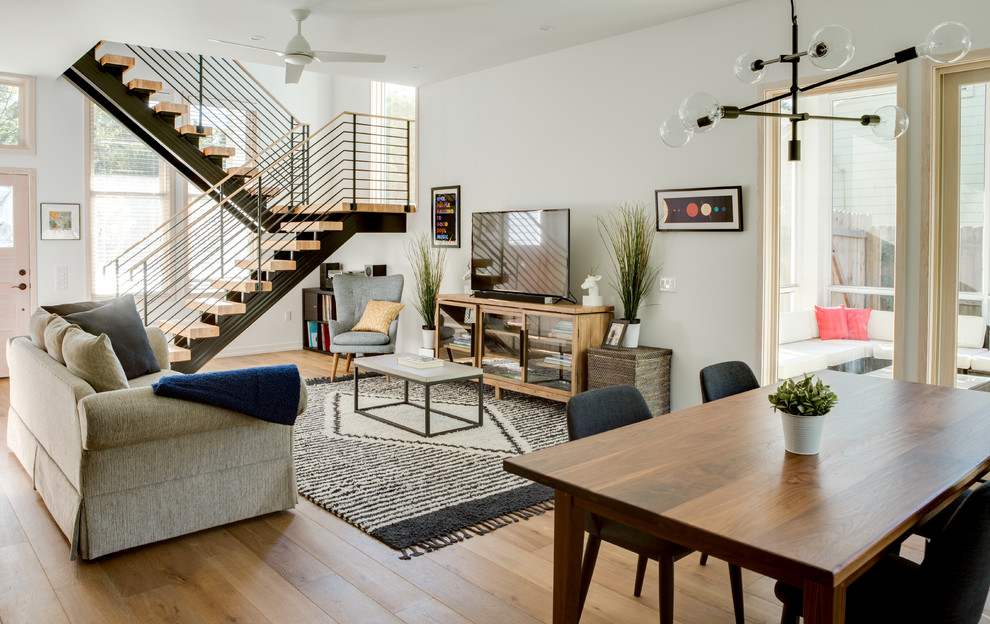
[
  {"x": 968, "y": 119},
  {"x": 549, "y": 351},
  {"x": 502, "y": 344},
  {"x": 455, "y": 332}
]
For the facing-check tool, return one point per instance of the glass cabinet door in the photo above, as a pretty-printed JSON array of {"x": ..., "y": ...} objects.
[
  {"x": 549, "y": 351},
  {"x": 455, "y": 332},
  {"x": 502, "y": 337}
]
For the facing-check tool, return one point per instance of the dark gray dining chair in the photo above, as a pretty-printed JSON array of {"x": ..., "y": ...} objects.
[
  {"x": 949, "y": 586},
  {"x": 598, "y": 411},
  {"x": 725, "y": 379}
]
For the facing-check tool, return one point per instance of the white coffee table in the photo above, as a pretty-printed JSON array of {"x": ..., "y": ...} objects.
[{"x": 428, "y": 377}]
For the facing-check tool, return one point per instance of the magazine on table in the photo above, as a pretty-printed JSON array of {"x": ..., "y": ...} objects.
[{"x": 418, "y": 361}]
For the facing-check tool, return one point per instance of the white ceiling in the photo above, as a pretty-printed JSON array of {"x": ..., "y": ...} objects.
[{"x": 445, "y": 38}]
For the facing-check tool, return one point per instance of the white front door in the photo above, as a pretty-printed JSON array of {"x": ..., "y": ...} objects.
[{"x": 15, "y": 272}]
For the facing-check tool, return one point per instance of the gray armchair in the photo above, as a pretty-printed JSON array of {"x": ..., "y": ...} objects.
[{"x": 351, "y": 294}]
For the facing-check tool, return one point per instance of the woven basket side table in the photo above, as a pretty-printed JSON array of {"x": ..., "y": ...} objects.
[{"x": 647, "y": 368}]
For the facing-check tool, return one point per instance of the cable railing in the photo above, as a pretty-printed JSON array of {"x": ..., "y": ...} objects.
[
  {"x": 236, "y": 236},
  {"x": 222, "y": 95}
]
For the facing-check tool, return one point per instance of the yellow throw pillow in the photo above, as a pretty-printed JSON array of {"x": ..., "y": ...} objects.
[{"x": 378, "y": 315}]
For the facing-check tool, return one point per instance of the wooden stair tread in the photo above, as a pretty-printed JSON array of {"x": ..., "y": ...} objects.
[
  {"x": 291, "y": 245},
  {"x": 311, "y": 226},
  {"x": 194, "y": 329},
  {"x": 178, "y": 354},
  {"x": 203, "y": 131},
  {"x": 213, "y": 305},
  {"x": 170, "y": 108},
  {"x": 268, "y": 265},
  {"x": 117, "y": 60},
  {"x": 246, "y": 286},
  {"x": 144, "y": 86},
  {"x": 215, "y": 150},
  {"x": 343, "y": 207},
  {"x": 243, "y": 171}
]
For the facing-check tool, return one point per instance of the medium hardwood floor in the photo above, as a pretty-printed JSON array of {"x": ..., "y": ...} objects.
[{"x": 306, "y": 565}]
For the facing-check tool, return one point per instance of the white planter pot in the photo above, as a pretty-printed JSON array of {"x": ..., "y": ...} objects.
[
  {"x": 631, "y": 339},
  {"x": 429, "y": 337},
  {"x": 802, "y": 434}
]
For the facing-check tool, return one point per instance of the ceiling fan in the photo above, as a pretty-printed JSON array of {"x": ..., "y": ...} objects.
[{"x": 298, "y": 53}]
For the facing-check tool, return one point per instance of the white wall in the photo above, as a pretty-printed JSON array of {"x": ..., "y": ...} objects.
[
  {"x": 60, "y": 171},
  {"x": 578, "y": 129}
]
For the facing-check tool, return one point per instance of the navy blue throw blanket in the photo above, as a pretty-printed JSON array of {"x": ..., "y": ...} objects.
[{"x": 269, "y": 393}]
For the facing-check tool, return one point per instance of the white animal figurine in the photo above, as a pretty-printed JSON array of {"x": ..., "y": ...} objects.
[{"x": 592, "y": 298}]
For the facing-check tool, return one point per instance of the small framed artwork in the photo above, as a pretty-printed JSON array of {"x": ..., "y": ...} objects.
[
  {"x": 59, "y": 221},
  {"x": 446, "y": 201},
  {"x": 713, "y": 209},
  {"x": 616, "y": 331}
]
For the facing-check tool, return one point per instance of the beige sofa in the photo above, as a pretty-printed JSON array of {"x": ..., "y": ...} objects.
[{"x": 123, "y": 468}]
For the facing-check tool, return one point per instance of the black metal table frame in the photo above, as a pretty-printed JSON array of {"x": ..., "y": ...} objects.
[{"x": 426, "y": 405}]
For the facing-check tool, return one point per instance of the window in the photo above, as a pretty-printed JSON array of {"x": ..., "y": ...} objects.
[
  {"x": 398, "y": 102},
  {"x": 837, "y": 207},
  {"x": 16, "y": 114},
  {"x": 129, "y": 195}
]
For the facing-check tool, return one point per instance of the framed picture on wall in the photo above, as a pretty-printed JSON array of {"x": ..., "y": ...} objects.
[
  {"x": 446, "y": 202},
  {"x": 712, "y": 209},
  {"x": 60, "y": 222}
]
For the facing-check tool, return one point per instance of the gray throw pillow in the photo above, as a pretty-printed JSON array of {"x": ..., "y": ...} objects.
[
  {"x": 120, "y": 321},
  {"x": 92, "y": 359},
  {"x": 54, "y": 334},
  {"x": 70, "y": 308},
  {"x": 36, "y": 327}
]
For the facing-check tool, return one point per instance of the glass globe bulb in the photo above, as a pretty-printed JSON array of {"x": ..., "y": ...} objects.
[
  {"x": 947, "y": 43},
  {"x": 700, "y": 112},
  {"x": 893, "y": 123},
  {"x": 744, "y": 68},
  {"x": 673, "y": 132},
  {"x": 831, "y": 47}
]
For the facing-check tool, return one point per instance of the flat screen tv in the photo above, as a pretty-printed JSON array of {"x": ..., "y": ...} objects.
[{"x": 521, "y": 252}]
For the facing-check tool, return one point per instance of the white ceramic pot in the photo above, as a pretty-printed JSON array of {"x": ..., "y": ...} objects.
[
  {"x": 429, "y": 337},
  {"x": 631, "y": 339},
  {"x": 802, "y": 434}
]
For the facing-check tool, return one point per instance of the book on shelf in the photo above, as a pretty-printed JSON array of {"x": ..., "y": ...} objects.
[
  {"x": 312, "y": 327},
  {"x": 418, "y": 361}
]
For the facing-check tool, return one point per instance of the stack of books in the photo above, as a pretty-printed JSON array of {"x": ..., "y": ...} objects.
[
  {"x": 563, "y": 329},
  {"x": 419, "y": 361},
  {"x": 559, "y": 359},
  {"x": 462, "y": 340}
]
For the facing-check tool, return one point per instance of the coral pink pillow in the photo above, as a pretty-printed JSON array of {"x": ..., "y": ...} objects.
[
  {"x": 856, "y": 322},
  {"x": 831, "y": 322}
]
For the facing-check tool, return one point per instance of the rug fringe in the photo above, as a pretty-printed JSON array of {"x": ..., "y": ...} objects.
[{"x": 482, "y": 527}]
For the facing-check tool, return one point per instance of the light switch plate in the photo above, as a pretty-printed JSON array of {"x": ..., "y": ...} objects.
[
  {"x": 61, "y": 278},
  {"x": 668, "y": 284}
]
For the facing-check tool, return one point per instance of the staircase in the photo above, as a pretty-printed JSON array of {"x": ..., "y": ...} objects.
[{"x": 259, "y": 227}]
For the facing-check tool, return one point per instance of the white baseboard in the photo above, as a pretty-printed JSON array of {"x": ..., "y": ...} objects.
[{"x": 256, "y": 349}]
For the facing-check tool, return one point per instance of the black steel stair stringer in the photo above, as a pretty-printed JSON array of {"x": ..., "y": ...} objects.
[{"x": 203, "y": 350}]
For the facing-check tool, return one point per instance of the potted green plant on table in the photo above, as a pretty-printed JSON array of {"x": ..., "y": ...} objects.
[
  {"x": 803, "y": 405},
  {"x": 428, "y": 268},
  {"x": 630, "y": 233}
]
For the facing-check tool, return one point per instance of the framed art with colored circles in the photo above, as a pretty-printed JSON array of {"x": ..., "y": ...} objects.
[{"x": 713, "y": 209}]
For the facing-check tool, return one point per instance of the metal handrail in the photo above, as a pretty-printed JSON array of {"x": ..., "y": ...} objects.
[
  {"x": 176, "y": 269},
  {"x": 309, "y": 140}
]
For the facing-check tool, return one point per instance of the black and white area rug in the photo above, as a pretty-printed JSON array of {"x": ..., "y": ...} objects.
[{"x": 419, "y": 494}]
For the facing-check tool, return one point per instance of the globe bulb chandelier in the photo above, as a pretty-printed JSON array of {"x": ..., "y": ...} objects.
[{"x": 831, "y": 48}]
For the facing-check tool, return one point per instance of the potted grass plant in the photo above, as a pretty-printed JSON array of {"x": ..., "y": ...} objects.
[
  {"x": 630, "y": 233},
  {"x": 428, "y": 268},
  {"x": 803, "y": 405}
]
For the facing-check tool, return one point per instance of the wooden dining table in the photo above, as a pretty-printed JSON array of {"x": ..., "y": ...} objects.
[{"x": 716, "y": 478}]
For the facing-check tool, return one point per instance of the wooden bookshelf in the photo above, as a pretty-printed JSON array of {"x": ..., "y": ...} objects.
[{"x": 319, "y": 308}]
